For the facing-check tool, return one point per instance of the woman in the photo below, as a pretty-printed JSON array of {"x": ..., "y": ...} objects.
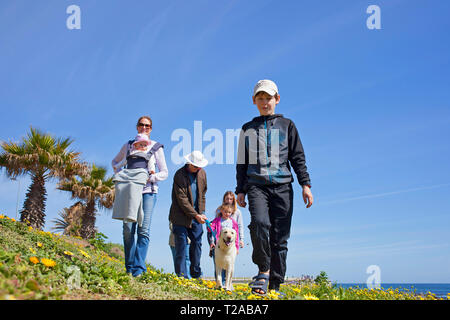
[{"x": 136, "y": 252}]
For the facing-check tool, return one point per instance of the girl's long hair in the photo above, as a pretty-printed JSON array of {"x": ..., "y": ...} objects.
[{"x": 234, "y": 204}]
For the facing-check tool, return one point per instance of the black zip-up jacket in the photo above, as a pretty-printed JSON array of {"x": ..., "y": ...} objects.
[{"x": 268, "y": 147}]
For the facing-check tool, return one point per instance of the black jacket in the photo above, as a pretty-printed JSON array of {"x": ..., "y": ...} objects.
[{"x": 268, "y": 146}]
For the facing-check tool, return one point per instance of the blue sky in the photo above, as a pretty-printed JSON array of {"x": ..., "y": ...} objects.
[{"x": 372, "y": 108}]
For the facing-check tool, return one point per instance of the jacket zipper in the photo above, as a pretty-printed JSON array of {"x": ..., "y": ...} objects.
[{"x": 267, "y": 150}]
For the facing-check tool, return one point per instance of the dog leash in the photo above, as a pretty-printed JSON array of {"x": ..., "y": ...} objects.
[{"x": 208, "y": 225}]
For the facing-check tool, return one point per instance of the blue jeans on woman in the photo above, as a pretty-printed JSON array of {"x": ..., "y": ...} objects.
[
  {"x": 136, "y": 251},
  {"x": 195, "y": 249}
]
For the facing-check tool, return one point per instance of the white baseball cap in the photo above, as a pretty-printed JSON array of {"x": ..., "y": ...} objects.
[
  {"x": 267, "y": 86},
  {"x": 197, "y": 159}
]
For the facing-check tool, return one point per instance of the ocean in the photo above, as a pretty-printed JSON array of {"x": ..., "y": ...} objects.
[{"x": 439, "y": 289}]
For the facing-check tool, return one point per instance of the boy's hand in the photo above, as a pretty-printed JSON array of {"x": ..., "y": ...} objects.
[
  {"x": 307, "y": 196},
  {"x": 241, "y": 200}
]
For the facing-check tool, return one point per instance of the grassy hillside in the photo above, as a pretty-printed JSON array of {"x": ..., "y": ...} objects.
[{"x": 41, "y": 265}]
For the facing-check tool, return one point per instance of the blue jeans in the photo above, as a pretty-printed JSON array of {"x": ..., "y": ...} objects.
[
  {"x": 135, "y": 252},
  {"x": 188, "y": 262},
  {"x": 195, "y": 249}
]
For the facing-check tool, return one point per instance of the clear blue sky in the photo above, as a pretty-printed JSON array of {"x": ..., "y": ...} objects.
[{"x": 372, "y": 108}]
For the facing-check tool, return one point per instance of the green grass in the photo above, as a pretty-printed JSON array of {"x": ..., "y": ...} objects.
[{"x": 42, "y": 265}]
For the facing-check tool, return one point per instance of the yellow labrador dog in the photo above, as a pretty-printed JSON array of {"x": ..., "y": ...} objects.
[{"x": 225, "y": 255}]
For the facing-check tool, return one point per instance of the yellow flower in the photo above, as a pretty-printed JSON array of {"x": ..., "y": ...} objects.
[
  {"x": 13, "y": 220},
  {"x": 84, "y": 253},
  {"x": 68, "y": 253},
  {"x": 30, "y": 228},
  {"x": 34, "y": 260},
  {"x": 296, "y": 290},
  {"x": 310, "y": 297},
  {"x": 32, "y": 250},
  {"x": 272, "y": 294},
  {"x": 39, "y": 245},
  {"x": 253, "y": 297},
  {"x": 48, "y": 262}
]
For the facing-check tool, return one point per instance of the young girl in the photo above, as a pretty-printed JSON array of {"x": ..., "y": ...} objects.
[
  {"x": 224, "y": 220},
  {"x": 229, "y": 198}
]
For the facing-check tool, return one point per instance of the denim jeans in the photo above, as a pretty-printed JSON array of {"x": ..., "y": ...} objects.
[
  {"x": 136, "y": 251},
  {"x": 188, "y": 261},
  {"x": 195, "y": 250}
]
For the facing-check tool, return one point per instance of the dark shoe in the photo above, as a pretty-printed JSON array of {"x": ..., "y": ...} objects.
[{"x": 260, "y": 282}]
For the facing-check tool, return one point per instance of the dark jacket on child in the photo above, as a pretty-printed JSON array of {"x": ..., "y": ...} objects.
[{"x": 268, "y": 146}]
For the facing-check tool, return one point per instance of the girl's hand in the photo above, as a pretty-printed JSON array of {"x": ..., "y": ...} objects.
[
  {"x": 241, "y": 244},
  {"x": 212, "y": 245}
]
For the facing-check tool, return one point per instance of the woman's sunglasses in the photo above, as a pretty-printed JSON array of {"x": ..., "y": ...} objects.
[{"x": 144, "y": 125}]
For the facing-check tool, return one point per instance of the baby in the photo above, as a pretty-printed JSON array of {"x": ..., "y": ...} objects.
[{"x": 137, "y": 157}]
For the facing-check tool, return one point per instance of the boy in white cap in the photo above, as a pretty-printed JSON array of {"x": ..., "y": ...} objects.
[{"x": 268, "y": 146}]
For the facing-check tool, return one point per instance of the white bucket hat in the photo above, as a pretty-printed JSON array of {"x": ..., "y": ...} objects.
[
  {"x": 197, "y": 159},
  {"x": 267, "y": 86}
]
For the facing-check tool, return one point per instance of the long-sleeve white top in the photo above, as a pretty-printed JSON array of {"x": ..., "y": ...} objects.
[{"x": 157, "y": 160}]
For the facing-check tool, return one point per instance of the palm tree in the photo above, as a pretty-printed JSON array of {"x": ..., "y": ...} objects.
[
  {"x": 71, "y": 220},
  {"x": 43, "y": 157},
  {"x": 94, "y": 189}
]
